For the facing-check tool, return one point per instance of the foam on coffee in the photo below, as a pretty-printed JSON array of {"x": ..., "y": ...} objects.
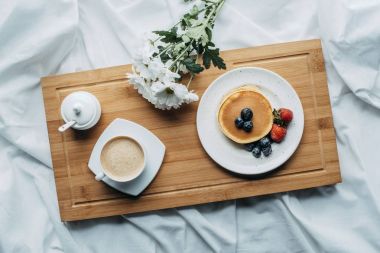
[{"x": 122, "y": 158}]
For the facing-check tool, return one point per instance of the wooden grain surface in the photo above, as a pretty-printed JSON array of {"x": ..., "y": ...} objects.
[{"x": 188, "y": 176}]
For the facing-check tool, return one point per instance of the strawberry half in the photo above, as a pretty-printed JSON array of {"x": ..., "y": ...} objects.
[
  {"x": 277, "y": 134},
  {"x": 286, "y": 115}
]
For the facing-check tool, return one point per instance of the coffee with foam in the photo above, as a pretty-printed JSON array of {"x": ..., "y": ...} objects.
[{"x": 122, "y": 159}]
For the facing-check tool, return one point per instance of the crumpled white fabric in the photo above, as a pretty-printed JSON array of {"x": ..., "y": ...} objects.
[{"x": 39, "y": 38}]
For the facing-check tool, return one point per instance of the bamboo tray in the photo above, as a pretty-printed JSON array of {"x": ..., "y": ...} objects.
[{"x": 188, "y": 176}]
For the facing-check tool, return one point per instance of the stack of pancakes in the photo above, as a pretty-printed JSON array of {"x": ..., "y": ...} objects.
[{"x": 231, "y": 106}]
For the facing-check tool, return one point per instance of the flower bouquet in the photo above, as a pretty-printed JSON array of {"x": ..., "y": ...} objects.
[{"x": 168, "y": 55}]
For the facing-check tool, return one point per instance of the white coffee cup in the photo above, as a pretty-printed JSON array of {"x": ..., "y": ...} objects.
[{"x": 122, "y": 159}]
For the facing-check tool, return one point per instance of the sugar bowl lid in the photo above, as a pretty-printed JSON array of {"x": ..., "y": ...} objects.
[{"x": 81, "y": 107}]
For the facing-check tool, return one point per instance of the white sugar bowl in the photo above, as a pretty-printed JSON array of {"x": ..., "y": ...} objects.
[{"x": 80, "y": 110}]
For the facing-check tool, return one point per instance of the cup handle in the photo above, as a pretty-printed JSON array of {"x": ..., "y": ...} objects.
[{"x": 100, "y": 176}]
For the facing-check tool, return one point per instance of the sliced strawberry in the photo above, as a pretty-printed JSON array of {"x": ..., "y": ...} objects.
[
  {"x": 277, "y": 134},
  {"x": 286, "y": 115}
]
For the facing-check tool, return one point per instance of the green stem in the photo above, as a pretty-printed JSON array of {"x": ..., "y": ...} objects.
[
  {"x": 216, "y": 11},
  {"x": 192, "y": 75},
  {"x": 212, "y": 15},
  {"x": 182, "y": 54},
  {"x": 219, "y": 8},
  {"x": 159, "y": 38},
  {"x": 209, "y": 16},
  {"x": 165, "y": 50},
  {"x": 191, "y": 79},
  {"x": 216, "y": 6}
]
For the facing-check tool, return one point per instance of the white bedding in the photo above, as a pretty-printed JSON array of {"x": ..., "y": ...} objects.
[{"x": 39, "y": 38}]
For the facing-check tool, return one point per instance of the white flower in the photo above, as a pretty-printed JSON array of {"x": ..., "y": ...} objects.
[
  {"x": 143, "y": 59},
  {"x": 164, "y": 93},
  {"x": 168, "y": 74},
  {"x": 154, "y": 80},
  {"x": 145, "y": 53},
  {"x": 140, "y": 84},
  {"x": 156, "y": 68},
  {"x": 191, "y": 97},
  {"x": 142, "y": 70},
  {"x": 171, "y": 95}
]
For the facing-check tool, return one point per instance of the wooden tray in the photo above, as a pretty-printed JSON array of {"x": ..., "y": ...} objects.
[{"x": 188, "y": 176}]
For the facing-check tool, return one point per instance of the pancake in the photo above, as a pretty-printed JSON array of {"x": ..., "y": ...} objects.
[{"x": 231, "y": 106}]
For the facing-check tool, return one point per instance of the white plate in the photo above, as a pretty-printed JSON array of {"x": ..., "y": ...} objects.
[
  {"x": 231, "y": 155},
  {"x": 154, "y": 151}
]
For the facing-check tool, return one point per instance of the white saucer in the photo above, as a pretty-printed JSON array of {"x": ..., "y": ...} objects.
[
  {"x": 231, "y": 155},
  {"x": 154, "y": 148}
]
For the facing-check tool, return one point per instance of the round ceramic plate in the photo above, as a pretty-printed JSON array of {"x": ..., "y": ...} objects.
[{"x": 231, "y": 155}]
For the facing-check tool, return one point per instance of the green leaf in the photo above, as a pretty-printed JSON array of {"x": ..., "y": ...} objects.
[
  {"x": 209, "y": 33},
  {"x": 206, "y": 59},
  {"x": 196, "y": 32},
  {"x": 212, "y": 55},
  {"x": 277, "y": 118},
  {"x": 185, "y": 38},
  {"x": 179, "y": 47},
  {"x": 194, "y": 11},
  {"x": 211, "y": 44},
  {"x": 192, "y": 66},
  {"x": 165, "y": 58},
  {"x": 183, "y": 24},
  {"x": 168, "y": 36},
  {"x": 198, "y": 47},
  {"x": 162, "y": 33}
]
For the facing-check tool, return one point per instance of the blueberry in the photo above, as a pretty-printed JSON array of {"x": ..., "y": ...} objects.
[
  {"x": 267, "y": 150},
  {"x": 264, "y": 142},
  {"x": 256, "y": 151},
  {"x": 246, "y": 114},
  {"x": 239, "y": 122},
  {"x": 249, "y": 146},
  {"x": 247, "y": 126}
]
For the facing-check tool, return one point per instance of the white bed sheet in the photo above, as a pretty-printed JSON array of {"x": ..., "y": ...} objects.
[{"x": 39, "y": 38}]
